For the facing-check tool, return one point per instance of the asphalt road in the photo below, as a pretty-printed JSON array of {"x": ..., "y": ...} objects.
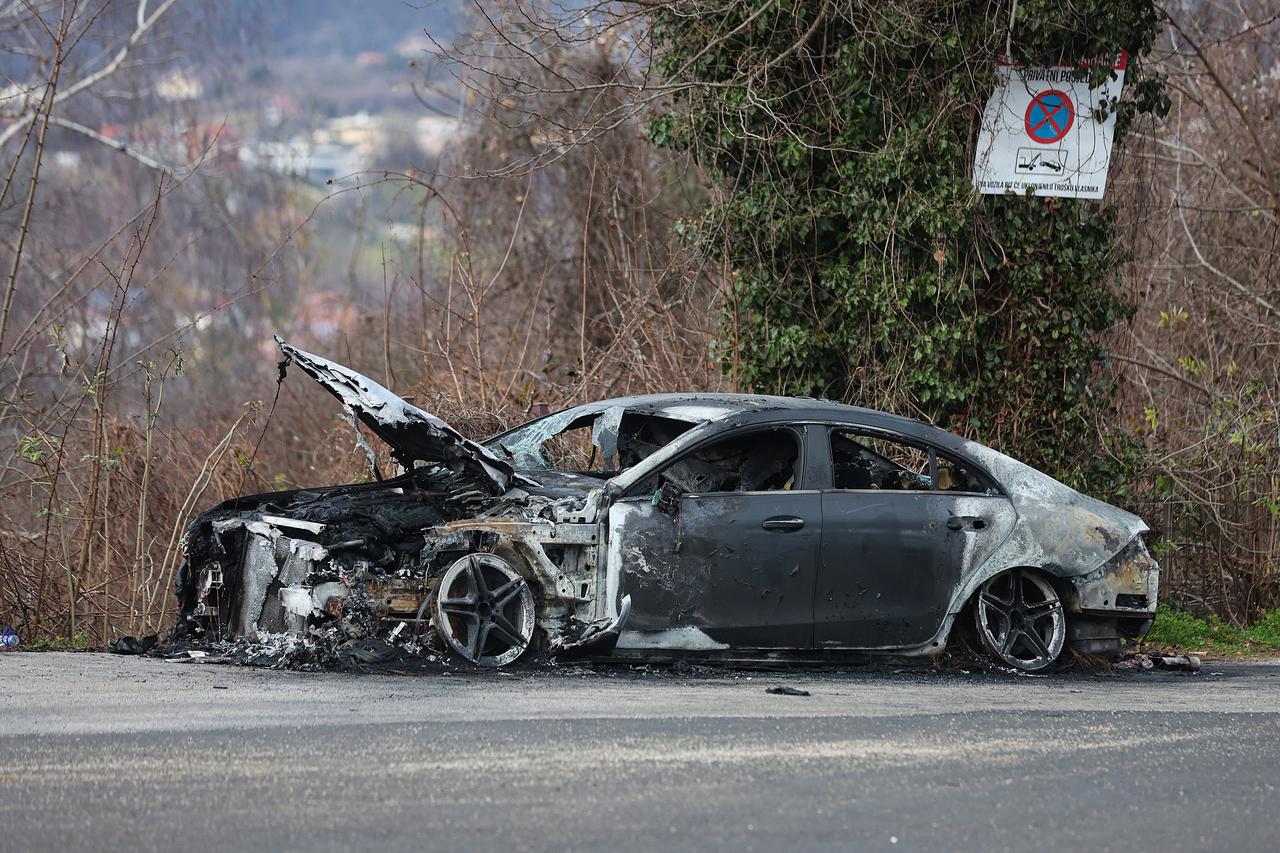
[{"x": 109, "y": 753}]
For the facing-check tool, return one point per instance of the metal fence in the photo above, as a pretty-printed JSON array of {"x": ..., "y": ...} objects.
[{"x": 1216, "y": 558}]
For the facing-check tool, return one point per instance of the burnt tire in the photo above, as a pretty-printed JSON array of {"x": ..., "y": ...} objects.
[
  {"x": 484, "y": 611},
  {"x": 1020, "y": 620}
]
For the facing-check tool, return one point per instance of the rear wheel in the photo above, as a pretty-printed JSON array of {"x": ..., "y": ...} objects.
[
  {"x": 484, "y": 610},
  {"x": 1020, "y": 620}
]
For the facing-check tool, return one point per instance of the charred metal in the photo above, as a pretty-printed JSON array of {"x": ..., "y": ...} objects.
[{"x": 669, "y": 524}]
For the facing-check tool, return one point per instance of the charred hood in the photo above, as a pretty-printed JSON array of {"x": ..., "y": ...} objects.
[{"x": 413, "y": 434}]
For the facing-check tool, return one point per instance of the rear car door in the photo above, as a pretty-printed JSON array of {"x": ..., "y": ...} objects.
[
  {"x": 901, "y": 523},
  {"x": 719, "y": 549}
]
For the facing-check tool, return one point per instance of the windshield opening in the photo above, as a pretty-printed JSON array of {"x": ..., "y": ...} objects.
[{"x": 601, "y": 443}]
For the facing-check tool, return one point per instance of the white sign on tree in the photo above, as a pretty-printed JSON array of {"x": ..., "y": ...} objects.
[{"x": 1040, "y": 131}]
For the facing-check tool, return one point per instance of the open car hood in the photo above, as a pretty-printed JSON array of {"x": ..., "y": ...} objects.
[{"x": 414, "y": 435}]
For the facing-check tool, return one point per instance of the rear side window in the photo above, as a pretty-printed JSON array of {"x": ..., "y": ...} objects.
[
  {"x": 956, "y": 477},
  {"x": 870, "y": 461},
  {"x": 873, "y": 462}
]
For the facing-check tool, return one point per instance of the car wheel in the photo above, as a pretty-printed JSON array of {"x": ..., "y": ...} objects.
[
  {"x": 484, "y": 610},
  {"x": 1020, "y": 619}
]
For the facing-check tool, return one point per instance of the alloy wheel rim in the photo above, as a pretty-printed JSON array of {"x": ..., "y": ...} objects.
[
  {"x": 1021, "y": 620},
  {"x": 484, "y": 610}
]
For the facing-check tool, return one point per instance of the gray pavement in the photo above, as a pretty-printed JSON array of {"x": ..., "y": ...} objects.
[{"x": 107, "y": 753}]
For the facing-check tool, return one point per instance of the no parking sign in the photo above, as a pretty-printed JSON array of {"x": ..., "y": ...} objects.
[
  {"x": 1050, "y": 115},
  {"x": 1040, "y": 131}
]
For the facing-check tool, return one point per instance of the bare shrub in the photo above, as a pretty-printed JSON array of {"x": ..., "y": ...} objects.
[
  {"x": 146, "y": 274},
  {"x": 1201, "y": 360}
]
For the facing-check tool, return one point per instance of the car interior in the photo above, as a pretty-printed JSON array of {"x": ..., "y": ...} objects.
[
  {"x": 762, "y": 461},
  {"x": 863, "y": 461}
]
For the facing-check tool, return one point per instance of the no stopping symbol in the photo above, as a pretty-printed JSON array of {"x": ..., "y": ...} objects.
[{"x": 1049, "y": 116}]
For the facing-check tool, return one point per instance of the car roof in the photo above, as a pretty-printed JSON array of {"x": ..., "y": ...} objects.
[
  {"x": 729, "y": 411},
  {"x": 712, "y": 407},
  {"x": 720, "y": 405},
  {"x": 715, "y": 406}
]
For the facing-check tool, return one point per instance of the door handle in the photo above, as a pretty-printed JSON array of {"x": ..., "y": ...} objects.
[
  {"x": 783, "y": 523},
  {"x": 957, "y": 522}
]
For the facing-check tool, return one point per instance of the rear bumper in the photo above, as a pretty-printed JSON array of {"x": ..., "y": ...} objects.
[
  {"x": 1116, "y": 603},
  {"x": 1127, "y": 584}
]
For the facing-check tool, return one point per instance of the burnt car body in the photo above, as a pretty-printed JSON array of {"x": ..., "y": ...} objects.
[{"x": 690, "y": 524}]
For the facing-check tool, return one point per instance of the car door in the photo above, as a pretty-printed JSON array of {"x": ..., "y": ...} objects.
[
  {"x": 719, "y": 549},
  {"x": 901, "y": 524}
]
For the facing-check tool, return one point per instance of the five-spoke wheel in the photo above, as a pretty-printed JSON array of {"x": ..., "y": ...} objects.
[
  {"x": 1020, "y": 619},
  {"x": 484, "y": 610}
]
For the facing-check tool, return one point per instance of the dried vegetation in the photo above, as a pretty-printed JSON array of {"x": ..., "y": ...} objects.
[{"x": 142, "y": 285}]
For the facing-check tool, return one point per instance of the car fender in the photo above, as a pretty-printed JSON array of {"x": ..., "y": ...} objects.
[{"x": 1059, "y": 531}]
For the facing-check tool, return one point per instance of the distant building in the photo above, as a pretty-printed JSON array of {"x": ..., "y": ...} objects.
[
  {"x": 281, "y": 107},
  {"x": 179, "y": 85},
  {"x": 66, "y": 161},
  {"x": 324, "y": 314},
  {"x": 316, "y": 162},
  {"x": 214, "y": 146},
  {"x": 359, "y": 130}
]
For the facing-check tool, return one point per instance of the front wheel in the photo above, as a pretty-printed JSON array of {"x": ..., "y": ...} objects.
[
  {"x": 484, "y": 610},
  {"x": 1020, "y": 620}
]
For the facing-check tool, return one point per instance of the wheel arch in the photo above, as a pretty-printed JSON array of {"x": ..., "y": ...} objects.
[{"x": 1061, "y": 584}]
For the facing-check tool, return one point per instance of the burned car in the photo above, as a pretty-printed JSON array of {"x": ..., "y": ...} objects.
[{"x": 729, "y": 525}]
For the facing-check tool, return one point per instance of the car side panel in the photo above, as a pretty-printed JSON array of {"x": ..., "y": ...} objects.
[
  {"x": 712, "y": 567},
  {"x": 889, "y": 564},
  {"x": 892, "y": 562}
]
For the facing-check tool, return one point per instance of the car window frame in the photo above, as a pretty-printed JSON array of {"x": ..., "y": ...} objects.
[
  {"x": 935, "y": 453},
  {"x": 798, "y": 432}
]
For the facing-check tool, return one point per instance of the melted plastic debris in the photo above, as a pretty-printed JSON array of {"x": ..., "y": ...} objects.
[
  {"x": 134, "y": 645},
  {"x": 1145, "y": 661}
]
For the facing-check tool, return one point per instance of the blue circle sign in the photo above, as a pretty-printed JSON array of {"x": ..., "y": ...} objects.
[{"x": 1049, "y": 116}]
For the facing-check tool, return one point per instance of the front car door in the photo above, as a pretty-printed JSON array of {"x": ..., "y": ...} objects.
[
  {"x": 902, "y": 522},
  {"x": 719, "y": 548}
]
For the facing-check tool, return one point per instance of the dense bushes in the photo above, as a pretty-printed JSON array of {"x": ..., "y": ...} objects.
[{"x": 867, "y": 267}]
